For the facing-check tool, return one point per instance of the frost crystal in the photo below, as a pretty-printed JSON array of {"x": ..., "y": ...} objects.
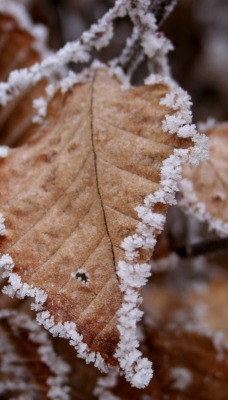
[
  {"x": 192, "y": 206},
  {"x": 97, "y": 37},
  {"x": 67, "y": 330},
  {"x": 4, "y": 151},
  {"x": 56, "y": 365},
  {"x": 2, "y": 225},
  {"x": 182, "y": 378},
  {"x": 101, "y": 391},
  {"x": 133, "y": 275}
]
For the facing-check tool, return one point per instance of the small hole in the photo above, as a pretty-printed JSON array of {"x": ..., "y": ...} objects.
[{"x": 81, "y": 277}]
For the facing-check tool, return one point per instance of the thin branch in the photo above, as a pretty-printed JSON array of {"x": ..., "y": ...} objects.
[
  {"x": 79, "y": 51},
  {"x": 202, "y": 248},
  {"x": 161, "y": 9},
  {"x": 133, "y": 54}
]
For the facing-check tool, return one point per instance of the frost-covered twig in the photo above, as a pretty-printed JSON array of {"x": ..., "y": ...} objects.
[
  {"x": 144, "y": 38},
  {"x": 146, "y": 16},
  {"x": 98, "y": 36}
]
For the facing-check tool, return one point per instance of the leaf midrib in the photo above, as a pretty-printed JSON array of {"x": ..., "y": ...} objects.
[{"x": 97, "y": 175}]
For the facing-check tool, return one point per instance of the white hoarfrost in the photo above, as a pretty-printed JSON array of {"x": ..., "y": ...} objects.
[
  {"x": 101, "y": 390},
  {"x": 190, "y": 203},
  {"x": 67, "y": 330},
  {"x": 2, "y": 226},
  {"x": 97, "y": 37},
  {"x": 57, "y": 367},
  {"x": 4, "y": 151},
  {"x": 133, "y": 275}
]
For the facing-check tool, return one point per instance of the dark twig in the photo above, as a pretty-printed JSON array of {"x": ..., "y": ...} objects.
[
  {"x": 161, "y": 9},
  {"x": 202, "y": 248},
  {"x": 133, "y": 54}
]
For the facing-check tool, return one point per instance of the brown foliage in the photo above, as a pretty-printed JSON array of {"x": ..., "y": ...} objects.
[
  {"x": 17, "y": 47},
  {"x": 210, "y": 183},
  {"x": 69, "y": 194}
]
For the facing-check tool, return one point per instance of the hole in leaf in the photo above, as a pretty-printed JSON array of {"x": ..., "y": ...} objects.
[{"x": 82, "y": 277}]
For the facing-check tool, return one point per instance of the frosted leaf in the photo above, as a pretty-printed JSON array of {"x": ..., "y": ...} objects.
[
  {"x": 204, "y": 189},
  {"x": 93, "y": 201},
  {"x": 27, "y": 42},
  {"x": 18, "y": 376}
]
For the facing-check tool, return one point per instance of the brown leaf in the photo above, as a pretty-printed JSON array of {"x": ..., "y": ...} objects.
[
  {"x": 18, "y": 48},
  {"x": 29, "y": 366},
  {"x": 205, "y": 188},
  {"x": 69, "y": 196},
  {"x": 186, "y": 366},
  {"x": 211, "y": 300}
]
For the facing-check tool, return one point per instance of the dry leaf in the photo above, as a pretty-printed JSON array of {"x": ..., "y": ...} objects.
[
  {"x": 69, "y": 197},
  {"x": 204, "y": 189},
  {"x": 187, "y": 365},
  {"x": 209, "y": 306},
  {"x": 20, "y": 48},
  {"x": 29, "y": 367}
]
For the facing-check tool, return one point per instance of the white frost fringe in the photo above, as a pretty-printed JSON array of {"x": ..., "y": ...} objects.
[
  {"x": 4, "y": 151},
  {"x": 97, "y": 37},
  {"x": 56, "y": 365},
  {"x": 191, "y": 205},
  {"x": 38, "y": 31},
  {"x": 66, "y": 330},
  {"x": 2, "y": 226},
  {"x": 132, "y": 275}
]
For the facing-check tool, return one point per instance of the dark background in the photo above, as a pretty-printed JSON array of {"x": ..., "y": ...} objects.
[{"x": 198, "y": 30}]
